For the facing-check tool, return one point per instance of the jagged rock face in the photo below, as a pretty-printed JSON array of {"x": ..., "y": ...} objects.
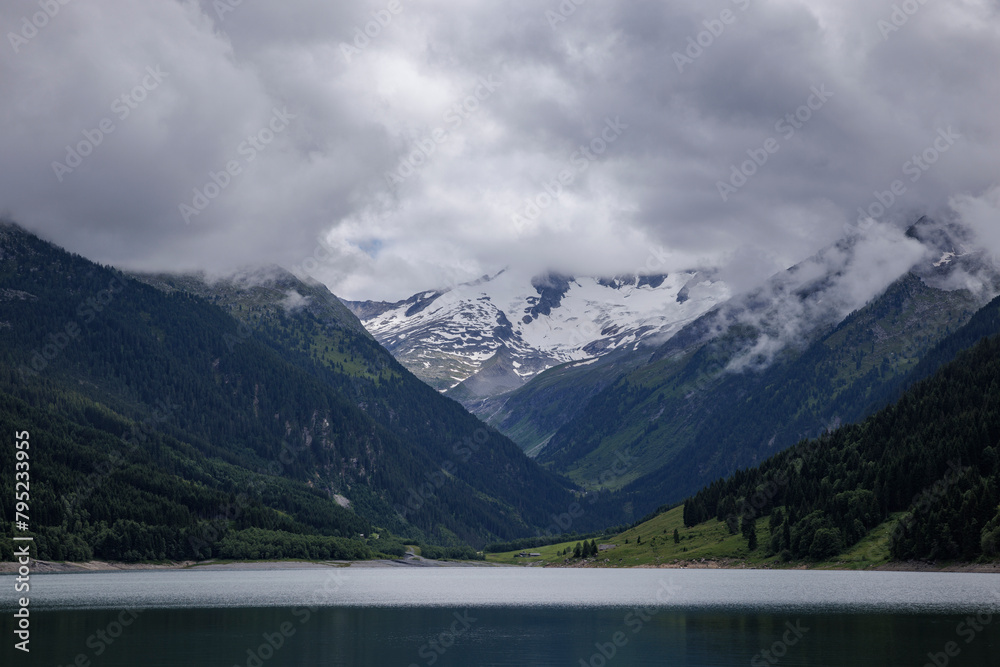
[
  {"x": 551, "y": 289},
  {"x": 495, "y": 334}
]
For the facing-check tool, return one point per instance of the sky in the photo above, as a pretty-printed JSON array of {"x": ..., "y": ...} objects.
[{"x": 393, "y": 146}]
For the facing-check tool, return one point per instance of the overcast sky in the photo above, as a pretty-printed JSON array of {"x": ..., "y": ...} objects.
[{"x": 407, "y": 157}]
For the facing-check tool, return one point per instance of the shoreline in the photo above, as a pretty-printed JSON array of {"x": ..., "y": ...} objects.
[
  {"x": 104, "y": 567},
  {"x": 52, "y": 567}
]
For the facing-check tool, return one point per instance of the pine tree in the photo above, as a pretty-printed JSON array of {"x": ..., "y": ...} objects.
[
  {"x": 677, "y": 537},
  {"x": 747, "y": 526},
  {"x": 777, "y": 517}
]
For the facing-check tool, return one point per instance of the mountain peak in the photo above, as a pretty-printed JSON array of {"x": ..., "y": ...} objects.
[
  {"x": 448, "y": 336},
  {"x": 259, "y": 290}
]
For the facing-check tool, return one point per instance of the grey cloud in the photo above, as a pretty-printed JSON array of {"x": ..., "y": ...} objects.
[{"x": 321, "y": 183}]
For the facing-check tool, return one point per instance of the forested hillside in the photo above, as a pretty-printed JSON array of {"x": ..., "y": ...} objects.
[
  {"x": 932, "y": 455},
  {"x": 156, "y": 417},
  {"x": 322, "y": 338}
]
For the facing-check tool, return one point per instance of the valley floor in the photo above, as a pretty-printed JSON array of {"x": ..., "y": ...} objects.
[
  {"x": 912, "y": 566},
  {"x": 52, "y": 567},
  {"x": 648, "y": 545}
]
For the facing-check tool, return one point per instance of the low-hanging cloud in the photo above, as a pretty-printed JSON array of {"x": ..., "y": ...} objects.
[
  {"x": 820, "y": 291},
  {"x": 363, "y": 86},
  {"x": 793, "y": 306}
]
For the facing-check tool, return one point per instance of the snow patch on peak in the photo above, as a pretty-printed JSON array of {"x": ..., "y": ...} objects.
[
  {"x": 537, "y": 323},
  {"x": 945, "y": 259}
]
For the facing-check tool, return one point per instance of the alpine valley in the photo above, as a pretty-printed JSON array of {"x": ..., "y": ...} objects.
[
  {"x": 257, "y": 416},
  {"x": 683, "y": 376},
  {"x": 174, "y": 418}
]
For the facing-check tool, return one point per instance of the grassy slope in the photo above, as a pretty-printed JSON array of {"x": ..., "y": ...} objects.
[{"x": 709, "y": 541}]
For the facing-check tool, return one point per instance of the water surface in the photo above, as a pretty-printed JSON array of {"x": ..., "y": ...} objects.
[{"x": 512, "y": 616}]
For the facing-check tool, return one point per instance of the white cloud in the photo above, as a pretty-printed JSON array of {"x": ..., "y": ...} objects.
[
  {"x": 294, "y": 301},
  {"x": 981, "y": 215}
]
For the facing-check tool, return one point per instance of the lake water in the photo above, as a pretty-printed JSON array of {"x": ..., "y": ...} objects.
[{"x": 509, "y": 616}]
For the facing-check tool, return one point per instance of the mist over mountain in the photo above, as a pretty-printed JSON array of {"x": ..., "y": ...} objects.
[
  {"x": 821, "y": 343},
  {"x": 791, "y": 307},
  {"x": 484, "y": 339},
  {"x": 779, "y": 363}
]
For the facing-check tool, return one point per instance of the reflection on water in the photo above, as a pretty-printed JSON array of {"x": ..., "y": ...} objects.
[{"x": 502, "y": 636}]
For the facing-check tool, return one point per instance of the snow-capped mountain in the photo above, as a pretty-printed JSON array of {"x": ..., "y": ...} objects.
[{"x": 494, "y": 334}]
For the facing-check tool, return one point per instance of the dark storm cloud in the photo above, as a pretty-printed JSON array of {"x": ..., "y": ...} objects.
[{"x": 394, "y": 167}]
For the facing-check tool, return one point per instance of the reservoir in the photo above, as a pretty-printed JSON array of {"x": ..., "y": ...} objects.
[{"x": 350, "y": 616}]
